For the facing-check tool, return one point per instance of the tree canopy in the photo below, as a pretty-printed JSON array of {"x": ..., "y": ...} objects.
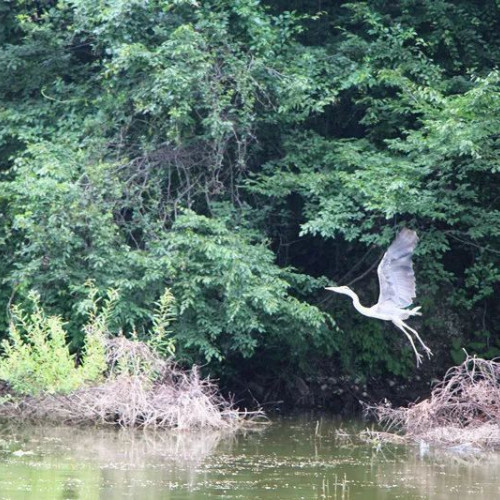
[{"x": 246, "y": 153}]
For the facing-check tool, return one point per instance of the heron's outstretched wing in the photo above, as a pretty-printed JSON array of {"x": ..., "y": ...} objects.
[{"x": 395, "y": 271}]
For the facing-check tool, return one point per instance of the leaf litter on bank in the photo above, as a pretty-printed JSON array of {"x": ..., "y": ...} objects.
[
  {"x": 463, "y": 409},
  {"x": 141, "y": 389}
]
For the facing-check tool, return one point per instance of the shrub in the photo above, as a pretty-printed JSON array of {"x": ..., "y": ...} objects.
[{"x": 37, "y": 357}]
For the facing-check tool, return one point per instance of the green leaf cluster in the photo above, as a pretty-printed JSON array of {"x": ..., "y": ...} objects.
[
  {"x": 230, "y": 295},
  {"x": 36, "y": 357}
]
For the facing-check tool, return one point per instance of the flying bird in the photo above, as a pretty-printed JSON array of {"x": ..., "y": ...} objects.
[{"x": 397, "y": 288}]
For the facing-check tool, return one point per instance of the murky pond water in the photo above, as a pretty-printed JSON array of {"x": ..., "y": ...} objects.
[{"x": 296, "y": 457}]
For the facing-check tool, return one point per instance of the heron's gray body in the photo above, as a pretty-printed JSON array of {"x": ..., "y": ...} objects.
[
  {"x": 388, "y": 313},
  {"x": 397, "y": 288}
]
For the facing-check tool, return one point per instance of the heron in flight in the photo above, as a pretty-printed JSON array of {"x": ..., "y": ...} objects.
[{"x": 397, "y": 288}]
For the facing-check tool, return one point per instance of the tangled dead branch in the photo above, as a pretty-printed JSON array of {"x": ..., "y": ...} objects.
[
  {"x": 141, "y": 390},
  {"x": 463, "y": 408}
]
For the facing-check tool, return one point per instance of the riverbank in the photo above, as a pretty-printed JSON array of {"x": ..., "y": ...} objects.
[
  {"x": 463, "y": 409},
  {"x": 141, "y": 389}
]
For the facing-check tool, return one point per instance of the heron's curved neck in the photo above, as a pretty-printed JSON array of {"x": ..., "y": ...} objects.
[{"x": 355, "y": 301}]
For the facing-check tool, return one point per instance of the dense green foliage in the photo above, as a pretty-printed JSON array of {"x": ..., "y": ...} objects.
[{"x": 245, "y": 155}]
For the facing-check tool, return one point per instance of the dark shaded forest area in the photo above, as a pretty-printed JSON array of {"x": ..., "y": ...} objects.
[{"x": 244, "y": 155}]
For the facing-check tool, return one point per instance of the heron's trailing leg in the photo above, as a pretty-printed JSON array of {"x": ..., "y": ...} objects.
[
  {"x": 426, "y": 349},
  {"x": 401, "y": 326}
]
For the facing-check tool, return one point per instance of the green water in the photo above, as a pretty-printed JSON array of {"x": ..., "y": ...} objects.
[{"x": 299, "y": 457}]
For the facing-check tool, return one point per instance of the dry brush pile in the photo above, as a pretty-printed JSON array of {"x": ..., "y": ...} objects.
[
  {"x": 464, "y": 408},
  {"x": 141, "y": 389}
]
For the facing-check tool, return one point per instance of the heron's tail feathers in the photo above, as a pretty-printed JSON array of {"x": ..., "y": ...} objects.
[{"x": 415, "y": 311}]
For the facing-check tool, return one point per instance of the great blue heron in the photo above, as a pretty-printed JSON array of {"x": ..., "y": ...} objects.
[{"x": 397, "y": 288}]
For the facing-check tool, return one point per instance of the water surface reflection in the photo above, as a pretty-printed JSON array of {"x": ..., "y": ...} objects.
[{"x": 299, "y": 457}]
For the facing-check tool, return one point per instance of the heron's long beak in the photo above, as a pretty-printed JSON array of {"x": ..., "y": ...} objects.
[{"x": 332, "y": 288}]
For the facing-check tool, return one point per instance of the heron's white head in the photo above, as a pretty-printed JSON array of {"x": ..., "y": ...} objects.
[{"x": 338, "y": 289}]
